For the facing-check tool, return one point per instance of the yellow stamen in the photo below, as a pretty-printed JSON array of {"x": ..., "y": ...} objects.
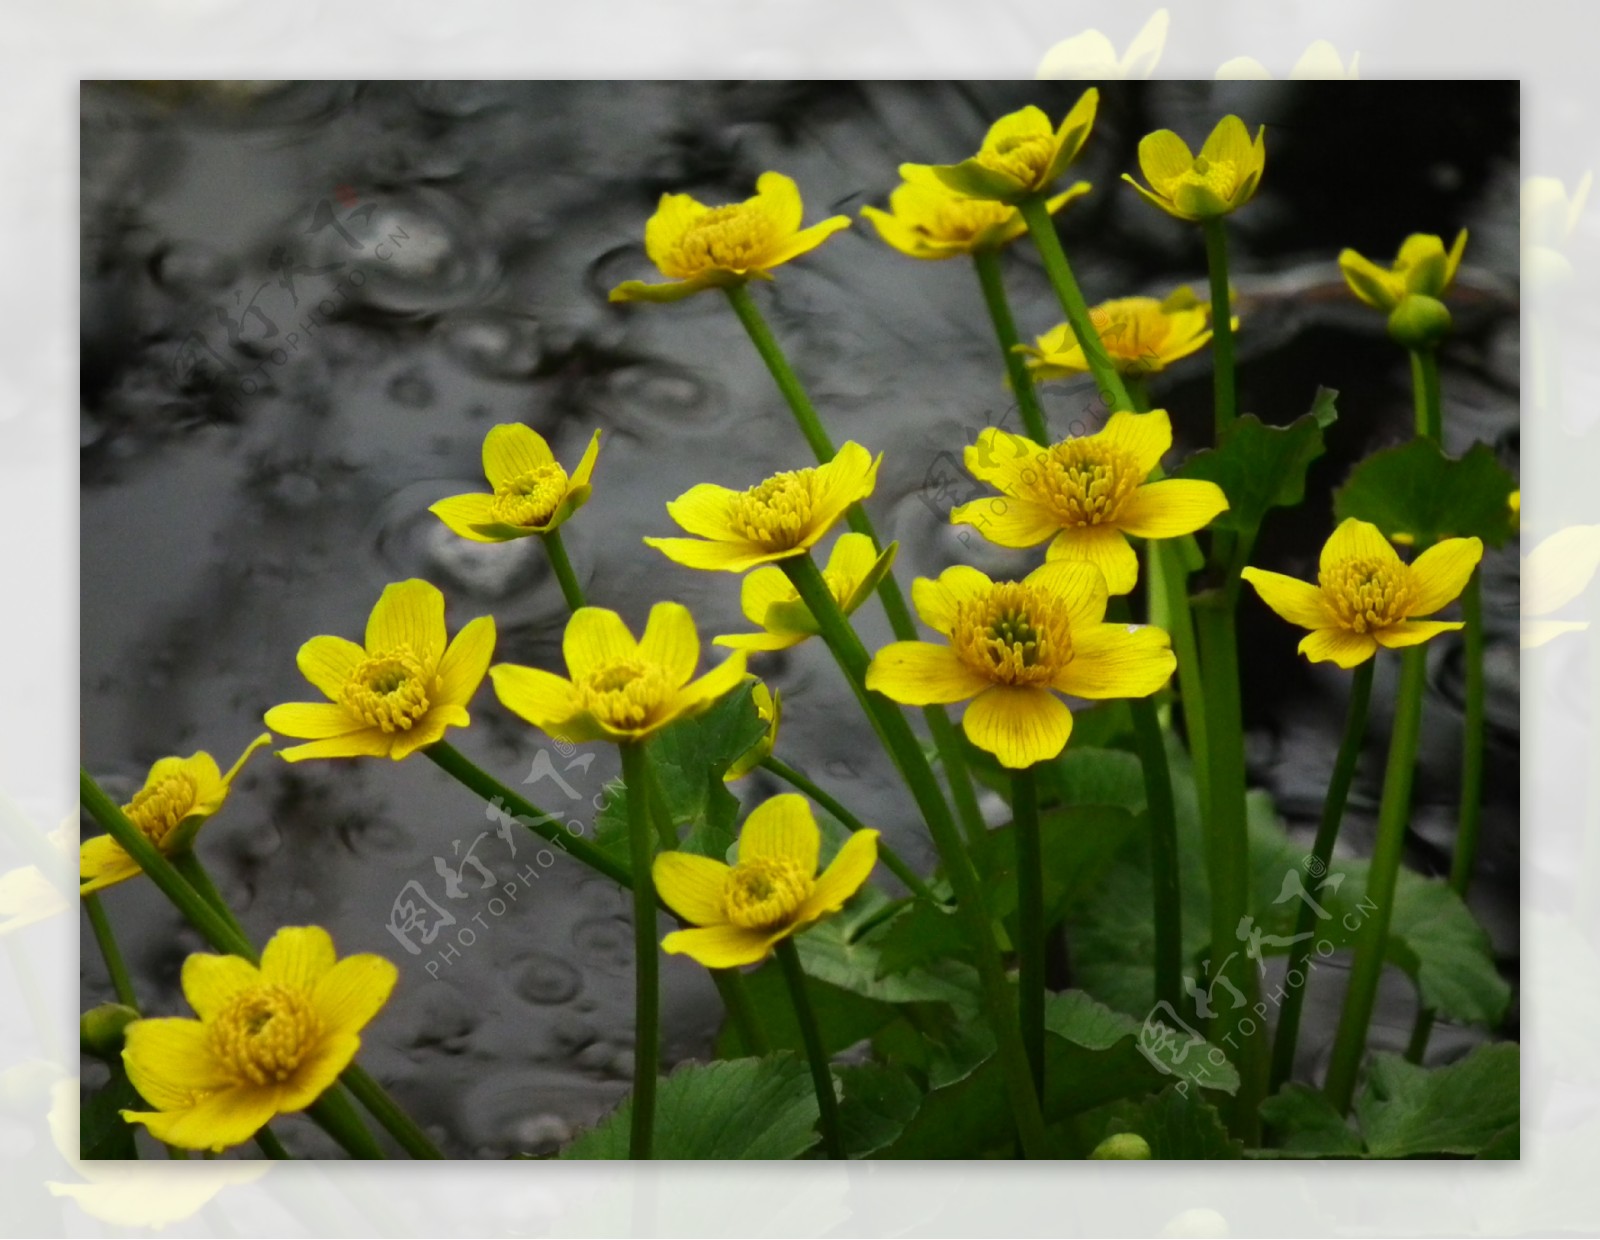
[
  {"x": 961, "y": 219},
  {"x": 624, "y": 695},
  {"x": 264, "y": 1032},
  {"x": 530, "y": 498},
  {"x": 387, "y": 691},
  {"x": 1220, "y": 177},
  {"x": 1131, "y": 332},
  {"x": 731, "y": 237},
  {"x": 1086, "y": 483},
  {"x": 765, "y": 893},
  {"x": 157, "y": 809},
  {"x": 1024, "y": 157},
  {"x": 1367, "y": 593},
  {"x": 776, "y": 514},
  {"x": 1013, "y": 635}
]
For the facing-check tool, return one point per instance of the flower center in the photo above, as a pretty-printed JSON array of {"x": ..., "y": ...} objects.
[
  {"x": 156, "y": 810},
  {"x": 1368, "y": 594},
  {"x": 1014, "y": 635},
  {"x": 734, "y": 238},
  {"x": 531, "y": 498},
  {"x": 387, "y": 691},
  {"x": 962, "y": 219},
  {"x": 264, "y": 1033},
  {"x": 1024, "y": 157},
  {"x": 1085, "y": 482},
  {"x": 766, "y": 893},
  {"x": 776, "y": 514},
  {"x": 1216, "y": 176},
  {"x": 1131, "y": 329},
  {"x": 624, "y": 695}
]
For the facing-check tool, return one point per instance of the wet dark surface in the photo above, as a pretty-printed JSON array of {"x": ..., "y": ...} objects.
[{"x": 304, "y": 305}]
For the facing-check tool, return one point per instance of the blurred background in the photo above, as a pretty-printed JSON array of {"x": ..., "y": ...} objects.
[{"x": 303, "y": 305}]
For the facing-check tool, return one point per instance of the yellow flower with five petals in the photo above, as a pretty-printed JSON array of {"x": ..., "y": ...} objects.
[
  {"x": 616, "y": 688},
  {"x": 397, "y": 694},
  {"x": 178, "y": 795},
  {"x": 1366, "y": 596},
  {"x": 1012, "y": 647},
  {"x": 784, "y": 516},
  {"x": 699, "y": 247},
  {"x": 769, "y": 599},
  {"x": 1219, "y": 180},
  {"x": 532, "y": 493},
  {"x": 1141, "y": 335},
  {"x": 1021, "y": 156},
  {"x": 1423, "y": 268},
  {"x": 739, "y": 912},
  {"x": 269, "y": 1041},
  {"x": 927, "y": 219},
  {"x": 1087, "y": 494}
]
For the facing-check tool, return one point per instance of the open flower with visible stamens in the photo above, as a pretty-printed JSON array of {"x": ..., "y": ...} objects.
[
  {"x": 1219, "y": 180},
  {"x": 699, "y": 247},
  {"x": 773, "y": 891},
  {"x": 532, "y": 492},
  {"x": 617, "y": 689},
  {"x": 1366, "y": 596},
  {"x": 1012, "y": 648},
  {"x": 1423, "y": 268},
  {"x": 784, "y": 516},
  {"x": 269, "y": 1041},
  {"x": 769, "y": 598},
  {"x": 1021, "y": 156},
  {"x": 1087, "y": 494},
  {"x": 397, "y": 694},
  {"x": 927, "y": 219},
  {"x": 179, "y": 794},
  {"x": 1141, "y": 335}
]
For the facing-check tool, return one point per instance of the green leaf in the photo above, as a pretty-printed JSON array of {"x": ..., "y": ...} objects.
[
  {"x": 1088, "y": 772},
  {"x": 102, "y": 1132},
  {"x": 843, "y": 1018},
  {"x": 877, "y": 1102},
  {"x": 1260, "y": 467},
  {"x": 1303, "y": 1122},
  {"x": 735, "y": 1108},
  {"x": 1417, "y": 490},
  {"x": 922, "y": 935},
  {"x": 840, "y": 952},
  {"x": 1177, "y": 1124},
  {"x": 1077, "y": 846},
  {"x": 1463, "y": 1109}
]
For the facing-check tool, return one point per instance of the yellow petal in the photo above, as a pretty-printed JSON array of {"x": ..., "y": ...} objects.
[
  {"x": 764, "y": 587},
  {"x": 1298, "y": 602},
  {"x": 780, "y": 199},
  {"x": 845, "y": 480},
  {"x": 1339, "y": 646},
  {"x": 1452, "y": 261},
  {"x": 1157, "y": 200},
  {"x": 463, "y": 512},
  {"x": 409, "y": 613},
  {"x": 1229, "y": 142},
  {"x": 170, "y": 1059},
  {"x": 1117, "y": 661},
  {"x": 729, "y": 557},
  {"x": 1171, "y": 507},
  {"x": 1368, "y": 281},
  {"x": 1146, "y": 437},
  {"x": 296, "y": 957},
  {"x": 1105, "y": 547},
  {"x": 698, "y": 694},
  {"x": 922, "y": 674},
  {"x": 663, "y": 230},
  {"x": 511, "y": 450},
  {"x": 210, "y": 981},
  {"x": 318, "y": 1071},
  {"x": 1005, "y": 461},
  {"x": 230, "y": 1116},
  {"x": 227, "y": 780},
  {"x": 585, "y": 470},
  {"x": 1441, "y": 572},
  {"x": 1019, "y": 726},
  {"x": 1355, "y": 540},
  {"x": 721, "y": 947},
  {"x": 1534, "y": 633},
  {"x": 1413, "y": 632},
  {"x": 350, "y": 993},
  {"x": 596, "y": 638},
  {"x": 760, "y": 642},
  {"x": 845, "y": 875},
  {"x": 705, "y": 510},
  {"x": 1079, "y": 588},
  {"x": 327, "y": 662},
  {"x": 782, "y": 828},
  {"x": 466, "y": 662},
  {"x": 804, "y": 241},
  {"x": 677, "y": 290},
  {"x": 852, "y": 558},
  {"x": 531, "y": 693},
  {"x": 1560, "y": 568},
  {"x": 368, "y": 743},
  {"x": 1163, "y": 158},
  {"x": 428, "y": 730},
  {"x": 312, "y": 720},
  {"x": 692, "y": 886},
  {"x": 1008, "y": 521},
  {"x": 102, "y": 863},
  {"x": 671, "y": 642},
  {"x": 936, "y": 600}
]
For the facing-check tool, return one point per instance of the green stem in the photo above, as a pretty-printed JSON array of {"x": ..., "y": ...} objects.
[
  {"x": 546, "y": 826},
  {"x": 821, "y": 1074},
  {"x": 383, "y": 1108},
  {"x": 736, "y": 999},
  {"x": 1393, "y": 813},
  {"x": 1043, "y": 230},
  {"x": 898, "y": 738},
  {"x": 269, "y": 1144},
  {"x": 116, "y": 968},
  {"x": 993, "y": 283},
  {"x": 1316, "y": 865},
  {"x": 666, "y": 828},
  {"x": 335, "y": 1115},
  {"x": 782, "y": 373},
  {"x": 1030, "y": 921},
  {"x": 1165, "y": 889},
  {"x": 188, "y": 865},
  {"x": 1224, "y": 394},
  {"x": 570, "y": 589},
  {"x": 646, "y": 961},
  {"x": 889, "y": 857},
  {"x": 1425, "y": 394}
]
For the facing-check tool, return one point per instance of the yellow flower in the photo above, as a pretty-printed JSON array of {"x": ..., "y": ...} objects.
[
  {"x": 769, "y": 599},
  {"x": 1012, "y": 647},
  {"x": 179, "y": 794},
  {"x": 699, "y": 247},
  {"x": 1367, "y": 596},
  {"x": 532, "y": 493},
  {"x": 1423, "y": 268},
  {"x": 927, "y": 219},
  {"x": 1142, "y": 335},
  {"x": 1549, "y": 217},
  {"x": 784, "y": 516},
  {"x": 769, "y": 707},
  {"x": 774, "y": 891},
  {"x": 1554, "y": 573},
  {"x": 1021, "y": 156},
  {"x": 1219, "y": 180},
  {"x": 1087, "y": 493},
  {"x": 1319, "y": 62},
  {"x": 1089, "y": 56},
  {"x": 269, "y": 1040},
  {"x": 620, "y": 689},
  {"x": 400, "y": 693}
]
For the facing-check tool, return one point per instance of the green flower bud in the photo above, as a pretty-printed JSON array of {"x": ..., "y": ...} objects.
[
  {"x": 101, "y": 1029},
  {"x": 1122, "y": 1145},
  {"x": 1419, "y": 322}
]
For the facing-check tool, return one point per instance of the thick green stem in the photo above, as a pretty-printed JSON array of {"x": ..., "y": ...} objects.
[
  {"x": 898, "y": 738},
  {"x": 269, "y": 1144},
  {"x": 1030, "y": 921},
  {"x": 1393, "y": 814},
  {"x": 1043, "y": 230},
  {"x": 816, "y": 1055},
  {"x": 106, "y": 938},
  {"x": 547, "y": 827},
  {"x": 646, "y": 961},
  {"x": 1225, "y": 399},
  {"x": 336, "y": 1116},
  {"x": 557, "y": 550},
  {"x": 1316, "y": 865},
  {"x": 196, "y": 875},
  {"x": 993, "y": 283},
  {"x": 782, "y": 373},
  {"x": 1425, "y": 394},
  {"x": 736, "y": 999}
]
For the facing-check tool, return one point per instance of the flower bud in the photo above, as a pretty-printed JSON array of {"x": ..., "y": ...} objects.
[
  {"x": 1122, "y": 1145},
  {"x": 101, "y": 1029},
  {"x": 1419, "y": 322}
]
